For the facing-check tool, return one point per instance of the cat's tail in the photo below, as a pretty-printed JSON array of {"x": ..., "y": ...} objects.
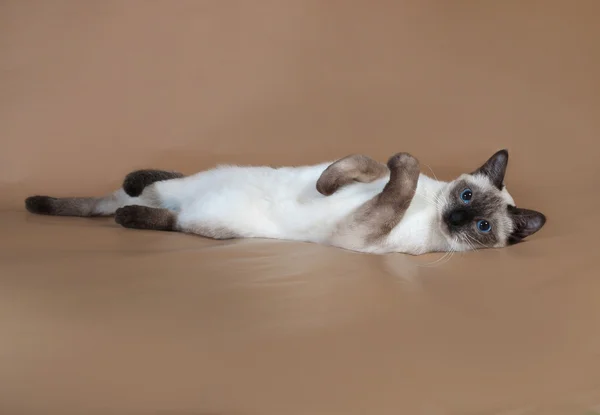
[{"x": 78, "y": 206}]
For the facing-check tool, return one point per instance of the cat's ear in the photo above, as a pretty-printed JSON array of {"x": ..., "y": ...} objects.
[
  {"x": 495, "y": 168},
  {"x": 526, "y": 222}
]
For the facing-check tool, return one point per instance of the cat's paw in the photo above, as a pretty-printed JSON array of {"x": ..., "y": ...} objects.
[
  {"x": 133, "y": 216},
  {"x": 136, "y": 181},
  {"x": 143, "y": 217},
  {"x": 403, "y": 161},
  {"x": 327, "y": 185},
  {"x": 41, "y": 205}
]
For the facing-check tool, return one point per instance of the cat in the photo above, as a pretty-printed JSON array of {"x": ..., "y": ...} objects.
[{"x": 354, "y": 203}]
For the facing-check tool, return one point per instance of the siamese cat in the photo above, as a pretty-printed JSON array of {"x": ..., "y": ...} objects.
[{"x": 354, "y": 203}]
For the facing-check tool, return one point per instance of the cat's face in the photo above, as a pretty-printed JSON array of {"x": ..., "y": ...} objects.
[{"x": 478, "y": 212}]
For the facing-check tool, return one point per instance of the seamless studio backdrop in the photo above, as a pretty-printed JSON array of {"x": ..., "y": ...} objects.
[{"x": 97, "y": 319}]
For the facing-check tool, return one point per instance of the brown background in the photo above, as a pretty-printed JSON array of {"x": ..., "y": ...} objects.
[{"x": 95, "y": 319}]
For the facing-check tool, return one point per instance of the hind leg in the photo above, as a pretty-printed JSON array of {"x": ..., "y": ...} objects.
[
  {"x": 159, "y": 219},
  {"x": 136, "y": 181},
  {"x": 144, "y": 217},
  {"x": 133, "y": 187}
]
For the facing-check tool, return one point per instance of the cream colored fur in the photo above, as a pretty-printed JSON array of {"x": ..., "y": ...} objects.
[{"x": 283, "y": 203}]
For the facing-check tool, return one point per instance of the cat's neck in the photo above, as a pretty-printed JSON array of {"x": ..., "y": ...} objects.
[{"x": 430, "y": 188}]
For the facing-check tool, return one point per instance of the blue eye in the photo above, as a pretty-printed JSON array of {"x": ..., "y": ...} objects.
[
  {"x": 484, "y": 226},
  {"x": 466, "y": 195}
]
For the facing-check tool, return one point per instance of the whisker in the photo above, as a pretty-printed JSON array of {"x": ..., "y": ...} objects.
[
  {"x": 476, "y": 241},
  {"x": 469, "y": 243},
  {"x": 445, "y": 258},
  {"x": 424, "y": 196},
  {"x": 431, "y": 170},
  {"x": 436, "y": 261}
]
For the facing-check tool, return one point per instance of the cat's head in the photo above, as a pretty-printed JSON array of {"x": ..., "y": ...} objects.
[{"x": 478, "y": 212}]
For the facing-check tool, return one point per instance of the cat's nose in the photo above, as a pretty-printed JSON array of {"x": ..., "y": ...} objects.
[{"x": 458, "y": 217}]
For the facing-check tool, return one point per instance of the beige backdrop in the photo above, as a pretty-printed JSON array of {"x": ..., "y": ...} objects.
[{"x": 96, "y": 319}]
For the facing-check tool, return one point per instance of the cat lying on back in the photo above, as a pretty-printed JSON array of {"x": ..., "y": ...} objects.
[{"x": 355, "y": 203}]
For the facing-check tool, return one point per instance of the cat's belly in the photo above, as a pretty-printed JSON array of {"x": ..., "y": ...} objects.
[
  {"x": 271, "y": 203},
  {"x": 313, "y": 217},
  {"x": 251, "y": 201},
  {"x": 276, "y": 203}
]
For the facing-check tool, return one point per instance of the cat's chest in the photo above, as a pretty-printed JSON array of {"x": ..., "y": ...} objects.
[{"x": 414, "y": 232}]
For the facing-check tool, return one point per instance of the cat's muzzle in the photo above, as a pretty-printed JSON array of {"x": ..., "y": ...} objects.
[{"x": 457, "y": 218}]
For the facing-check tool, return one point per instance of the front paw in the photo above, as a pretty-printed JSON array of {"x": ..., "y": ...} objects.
[
  {"x": 327, "y": 185},
  {"x": 404, "y": 161}
]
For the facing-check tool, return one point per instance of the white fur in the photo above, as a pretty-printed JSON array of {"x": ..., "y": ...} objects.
[{"x": 283, "y": 203}]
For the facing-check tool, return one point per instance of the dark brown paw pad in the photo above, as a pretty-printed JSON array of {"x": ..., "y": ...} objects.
[
  {"x": 135, "y": 182},
  {"x": 42, "y": 205}
]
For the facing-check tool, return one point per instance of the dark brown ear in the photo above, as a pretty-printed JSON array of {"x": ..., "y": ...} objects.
[
  {"x": 495, "y": 168},
  {"x": 526, "y": 222}
]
